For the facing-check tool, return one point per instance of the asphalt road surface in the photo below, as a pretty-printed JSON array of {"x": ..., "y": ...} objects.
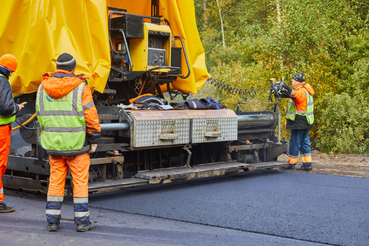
[{"x": 266, "y": 208}]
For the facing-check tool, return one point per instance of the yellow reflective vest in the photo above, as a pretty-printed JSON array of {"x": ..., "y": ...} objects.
[{"x": 62, "y": 121}]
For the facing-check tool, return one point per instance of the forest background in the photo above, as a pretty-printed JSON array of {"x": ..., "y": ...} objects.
[{"x": 248, "y": 42}]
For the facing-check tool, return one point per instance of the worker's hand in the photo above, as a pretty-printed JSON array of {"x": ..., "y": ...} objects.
[
  {"x": 286, "y": 89},
  {"x": 281, "y": 90},
  {"x": 93, "y": 148},
  {"x": 20, "y": 107}
]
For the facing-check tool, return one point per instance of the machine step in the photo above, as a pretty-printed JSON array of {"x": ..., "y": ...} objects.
[
  {"x": 107, "y": 186},
  {"x": 168, "y": 175},
  {"x": 268, "y": 165},
  {"x": 160, "y": 176},
  {"x": 203, "y": 171}
]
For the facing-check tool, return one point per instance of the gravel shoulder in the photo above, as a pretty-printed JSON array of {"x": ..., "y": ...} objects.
[{"x": 340, "y": 164}]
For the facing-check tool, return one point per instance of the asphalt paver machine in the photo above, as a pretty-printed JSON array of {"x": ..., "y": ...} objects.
[{"x": 132, "y": 49}]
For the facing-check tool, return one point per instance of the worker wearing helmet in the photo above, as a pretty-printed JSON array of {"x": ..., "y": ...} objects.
[
  {"x": 300, "y": 118},
  {"x": 70, "y": 130},
  {"x": 8, "y": 109}
]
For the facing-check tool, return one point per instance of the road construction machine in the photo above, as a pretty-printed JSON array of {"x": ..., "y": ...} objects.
[{"x": 129, "y": 50}]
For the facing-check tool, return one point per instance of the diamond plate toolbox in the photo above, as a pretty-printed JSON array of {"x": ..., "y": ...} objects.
[
  {"x": 213, "y": 125},
  {"x": 159, "y": 128}
]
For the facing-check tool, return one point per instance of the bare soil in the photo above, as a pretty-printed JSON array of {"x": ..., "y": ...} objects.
[{"x": 340, "y": 164}]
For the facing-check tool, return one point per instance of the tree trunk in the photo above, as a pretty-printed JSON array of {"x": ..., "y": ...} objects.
[
  {"x": 279, "y": 26},
  {"x": 205, "y": 9},
  {"x": 221, "y": 23}
]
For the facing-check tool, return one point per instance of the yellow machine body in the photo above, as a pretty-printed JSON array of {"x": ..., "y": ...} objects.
[
  {"x": 145, "y": 52},
  {"x": 44, "y": 29}
]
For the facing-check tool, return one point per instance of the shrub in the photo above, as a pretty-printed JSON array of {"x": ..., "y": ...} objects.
[{"x": 344, "y": 124}]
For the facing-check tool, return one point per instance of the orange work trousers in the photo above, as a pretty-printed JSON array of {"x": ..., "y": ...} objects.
[
  {"x": 5, "y": 132},
  {"x": 59, "y": 166}
]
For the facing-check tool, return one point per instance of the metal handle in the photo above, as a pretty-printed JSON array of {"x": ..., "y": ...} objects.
[
  {"x": 214, "y": 134},
  {"x": 185, "y": 54},
  {"x": 168, "y": 136}
]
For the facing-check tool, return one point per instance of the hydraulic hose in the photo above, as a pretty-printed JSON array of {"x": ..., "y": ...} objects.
[
  {"x": 240, "y": 91},
  {"x": 25, "y": 123}
]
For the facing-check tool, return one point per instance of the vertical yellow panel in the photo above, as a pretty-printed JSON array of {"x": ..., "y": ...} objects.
[{"x": 38, "y": 31}]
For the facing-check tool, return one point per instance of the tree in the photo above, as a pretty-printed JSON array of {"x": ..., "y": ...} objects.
[
  {"x": 221, "y": 22},
  {"x": 279, "y": 38}
]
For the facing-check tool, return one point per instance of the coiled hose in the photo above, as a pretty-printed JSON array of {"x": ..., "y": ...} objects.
[
  {"x": 242, "y": 92},
  {"x": 25, "y": 123}
]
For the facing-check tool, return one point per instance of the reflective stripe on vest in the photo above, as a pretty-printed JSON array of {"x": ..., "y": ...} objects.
[
  {"x": 309, "y": 113},
  {"x": 6, "y": 120},
  {"x": 62, "y": 120}
]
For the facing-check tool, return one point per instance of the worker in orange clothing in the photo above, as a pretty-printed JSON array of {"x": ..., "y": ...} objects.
[
  {"x": 8, "y": 109},
  {"x": 70, "y": 130},
  {"x": 300, "y": 118}
]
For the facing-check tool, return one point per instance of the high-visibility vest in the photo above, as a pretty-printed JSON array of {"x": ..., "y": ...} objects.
[
  {"x": 308, "y": 113},
  {"x": 6, "y": 120},
  {"x": 62, "y": 120}
]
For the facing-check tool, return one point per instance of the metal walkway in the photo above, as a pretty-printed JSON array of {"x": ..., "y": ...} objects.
[{"x": 168, "y": 175}]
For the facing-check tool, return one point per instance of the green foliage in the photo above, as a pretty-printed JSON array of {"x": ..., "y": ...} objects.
[
  {"x": 343, "y": 124},
  {"x": 237, "y": 76},
  {"x": 239, "y": 52},
  {"x": 328, "y": 40}
]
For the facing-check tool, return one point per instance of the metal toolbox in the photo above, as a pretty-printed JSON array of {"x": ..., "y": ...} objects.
[
  {"x": 213, "y": 125},
  {"x": 159, "y": 128}
]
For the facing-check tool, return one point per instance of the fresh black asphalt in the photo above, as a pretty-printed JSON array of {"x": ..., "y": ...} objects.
[
  {"x": 259, "y": 208},
  {"x": 27, "y": 226},
  {"x": 309, "y": 207}
]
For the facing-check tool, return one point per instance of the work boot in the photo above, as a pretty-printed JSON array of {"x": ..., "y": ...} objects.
[
  {"x": 5, "y": 209},
  {"x": 85, "y": 227},
  {"x": 289, "y": 167},
  {"x": 306, "y": 168},
  {"x": 53, "y": 226}
]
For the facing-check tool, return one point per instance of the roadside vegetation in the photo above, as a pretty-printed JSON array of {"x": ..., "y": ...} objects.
[{"x": 251, "y": 41}]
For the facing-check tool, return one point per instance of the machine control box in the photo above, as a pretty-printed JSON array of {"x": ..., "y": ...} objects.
[{"x": 156, "y": 57}]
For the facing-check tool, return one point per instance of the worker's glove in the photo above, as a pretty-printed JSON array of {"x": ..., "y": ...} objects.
[
  {"x": 93, "y": 148},
  {"x": 287, "y": 90},
  {"x": 280, "y": 89}
]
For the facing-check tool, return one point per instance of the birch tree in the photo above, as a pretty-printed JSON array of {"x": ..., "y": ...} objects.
[{"x": 221, "y": 23}]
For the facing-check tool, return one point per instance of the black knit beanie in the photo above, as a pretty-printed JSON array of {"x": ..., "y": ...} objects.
[
  {"x": 66, "y": 62},
  {"x": 300, "y": 77}
]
